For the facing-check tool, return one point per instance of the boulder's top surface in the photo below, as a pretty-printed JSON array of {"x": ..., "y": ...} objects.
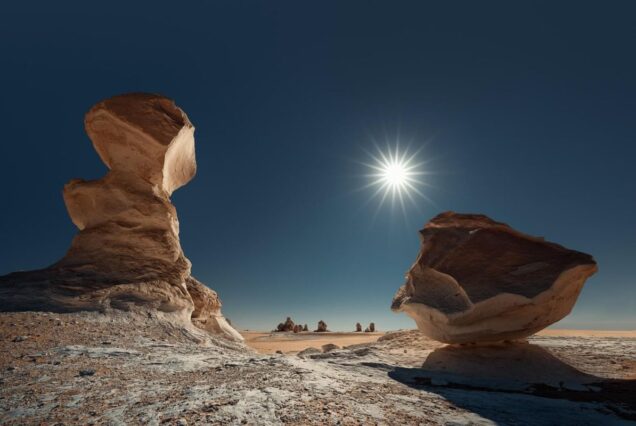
[
  {"x": 488, "y": 258},
  {"x": 144, "y": 134}
]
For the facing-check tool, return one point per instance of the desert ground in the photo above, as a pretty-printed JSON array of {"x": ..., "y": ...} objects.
[
  {"x": 290, "y": 343},
  {"x": 90, "y": 368}
]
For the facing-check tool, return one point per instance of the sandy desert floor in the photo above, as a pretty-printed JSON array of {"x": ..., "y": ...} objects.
[
  {"x": 289, "y": 343},
  {"x": 126, "y": 369}
]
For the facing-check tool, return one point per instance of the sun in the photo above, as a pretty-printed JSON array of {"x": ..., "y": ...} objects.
[{"x": 397, "y": 176}]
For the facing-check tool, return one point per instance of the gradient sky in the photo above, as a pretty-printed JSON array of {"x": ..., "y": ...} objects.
[{"x": 527, "y": 111}]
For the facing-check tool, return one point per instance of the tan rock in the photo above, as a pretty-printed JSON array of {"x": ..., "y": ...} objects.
[
  {"x": 322, "y": 327},
  {"x": 127, "y": 254},
  {"x": 477, "y": 280}
]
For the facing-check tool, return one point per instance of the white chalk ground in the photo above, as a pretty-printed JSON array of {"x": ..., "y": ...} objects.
[{"x": 92, "y": 369}]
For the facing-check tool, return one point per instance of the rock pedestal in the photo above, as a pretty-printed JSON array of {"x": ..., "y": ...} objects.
[
  {"x": 127, "y": 254},
  {"x": 477, "y": 280}
]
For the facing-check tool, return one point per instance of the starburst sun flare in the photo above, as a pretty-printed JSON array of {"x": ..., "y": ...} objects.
[{"x": 397, "y": 174}]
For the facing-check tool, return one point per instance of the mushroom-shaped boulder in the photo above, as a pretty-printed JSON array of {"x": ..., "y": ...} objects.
[{"x": 477, "y": 280}]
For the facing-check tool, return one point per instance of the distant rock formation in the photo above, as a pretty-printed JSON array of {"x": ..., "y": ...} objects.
[
  {"x": 298, "y": 328},
  {"x": 477, "y": 280},
  {"x": 305, "y": 328},
  {"x": 322, "y": 327},
  {"x": 286, "y": 326},
  {"x": 370, "y": 328},
  {"x": 358, "y": 327},
  {"x": 127, "y": 255}
]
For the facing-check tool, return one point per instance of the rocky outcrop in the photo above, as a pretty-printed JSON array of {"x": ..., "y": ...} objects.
[
  {"x": 127, "y": 255},
  {"x": 358, "y": 327},
  {"x": 477, "y": 280},
  {"x": 322, "y": 327},
  {"x": 370, "y": 328},
  {"x": 207, "y": 310},
  {"x": 305, "y": 328},
  {"x": 298, "y": 328},
  {"x": 305, "y": 353},
  {"x": 286, "y": 326}
]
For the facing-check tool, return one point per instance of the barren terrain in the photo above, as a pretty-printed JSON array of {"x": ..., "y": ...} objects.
[{"x": 131, "y": 369}]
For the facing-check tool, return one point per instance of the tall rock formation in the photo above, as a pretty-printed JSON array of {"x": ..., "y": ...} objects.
[
  {"x": 288, "y": 325},
  {"x": 477, "y": 280},
  {"x": 358, "y": 327},
  {"x": 127, "y": 254},
  {"x": 322, "y": 327}
]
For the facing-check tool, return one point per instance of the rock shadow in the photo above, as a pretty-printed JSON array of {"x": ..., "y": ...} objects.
[{"x": 502, "y": 383}]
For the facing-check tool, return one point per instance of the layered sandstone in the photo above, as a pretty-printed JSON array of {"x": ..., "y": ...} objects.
[
  {"x": 127, "y": 254},
  {"x": 477, "y": 280}
]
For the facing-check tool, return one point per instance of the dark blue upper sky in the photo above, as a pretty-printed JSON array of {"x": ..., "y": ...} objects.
[{"x": 527, "y": 110}]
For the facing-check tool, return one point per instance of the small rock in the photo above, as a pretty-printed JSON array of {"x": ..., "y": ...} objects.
[
  {"x": 20, "y": 338},
  {"x": 182, "y": 422},
  {"x": 307, "y": 352},
  {"x": 279, "y": 352},
  {"x": 88, "y": 372},
  {"x": 329, "y": 347}
]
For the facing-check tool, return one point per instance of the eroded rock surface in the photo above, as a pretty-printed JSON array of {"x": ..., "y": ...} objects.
[
  {"x": 127, "y": 255},
  {"x": 477, "y": 280}
]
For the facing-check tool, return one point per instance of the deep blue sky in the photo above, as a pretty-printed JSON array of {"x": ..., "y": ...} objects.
[{"x": 528, "y": 112}]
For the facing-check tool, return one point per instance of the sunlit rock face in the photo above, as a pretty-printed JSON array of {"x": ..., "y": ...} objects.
[
  {"x": 127, "y": 254},
  {"x": 477, "y": 280}
]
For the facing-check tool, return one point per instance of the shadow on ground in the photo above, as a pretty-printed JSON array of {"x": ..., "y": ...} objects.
[{"x": 519, "y": 383}]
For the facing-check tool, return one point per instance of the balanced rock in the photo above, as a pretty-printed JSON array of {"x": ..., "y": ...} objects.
[
  {"x": 322, "y": 327},
  {"x": 477, "y": 280},
  {"x": 127, "y": 254},
  {"x": 358, "y": 327}
]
